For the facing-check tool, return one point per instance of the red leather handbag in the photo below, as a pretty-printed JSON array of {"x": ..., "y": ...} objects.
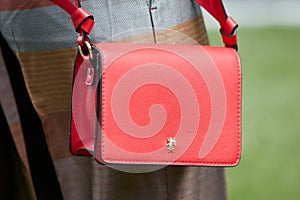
[{"x": 156, "y": 104}]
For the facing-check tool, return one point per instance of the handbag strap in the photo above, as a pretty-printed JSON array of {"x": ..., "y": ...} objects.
[
  {"x": 83, "y": 21},
  {"x": 227, "y": 24}
]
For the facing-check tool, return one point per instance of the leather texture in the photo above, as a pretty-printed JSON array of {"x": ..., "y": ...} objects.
[{"x": 148, "y": 94}]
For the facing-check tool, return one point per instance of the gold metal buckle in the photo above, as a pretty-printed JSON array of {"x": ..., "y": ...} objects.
[{"x": 89, "y": 47}]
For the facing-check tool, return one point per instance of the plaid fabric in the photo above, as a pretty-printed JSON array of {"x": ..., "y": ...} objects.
[{"x": 42, "y": 37}]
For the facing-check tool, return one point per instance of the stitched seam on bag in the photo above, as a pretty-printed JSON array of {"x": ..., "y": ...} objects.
[
  {"x": 168, "y": 162},
  {"x": 102, "y": 148},
  {"x": 74, "y": 144},
  {"x": 239, "y": 105}
]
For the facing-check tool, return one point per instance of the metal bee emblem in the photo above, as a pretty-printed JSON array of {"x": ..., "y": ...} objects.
[{"x": 171, "y": 143}]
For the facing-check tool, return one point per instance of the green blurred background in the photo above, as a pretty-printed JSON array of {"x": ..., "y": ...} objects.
[{"x": 270, "y": 164}]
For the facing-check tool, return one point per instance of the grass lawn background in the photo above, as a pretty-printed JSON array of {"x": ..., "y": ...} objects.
[{"x": 270, "y": 164}]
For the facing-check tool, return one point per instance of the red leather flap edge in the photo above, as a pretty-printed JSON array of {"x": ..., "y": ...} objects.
[{"x": 212, "y": 72}]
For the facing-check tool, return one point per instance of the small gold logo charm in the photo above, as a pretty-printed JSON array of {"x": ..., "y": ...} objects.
[{"x": 171, "y": 143}]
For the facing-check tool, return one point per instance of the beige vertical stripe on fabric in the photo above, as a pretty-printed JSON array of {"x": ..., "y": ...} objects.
[
  {"x": 48, "y": 77},
  {"x": 56, "y": 127}
]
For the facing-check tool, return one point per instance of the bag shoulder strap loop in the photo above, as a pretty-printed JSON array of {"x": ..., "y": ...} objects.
[
  {"x": 82, "y": 20},
  {"x": 227, "y": 24},
  {"x": 229, "y": 37}
]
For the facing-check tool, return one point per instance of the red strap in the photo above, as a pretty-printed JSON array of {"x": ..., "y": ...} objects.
[
  {"x": 83, "y": 21},
  {"x": 228, "y": 25}
]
